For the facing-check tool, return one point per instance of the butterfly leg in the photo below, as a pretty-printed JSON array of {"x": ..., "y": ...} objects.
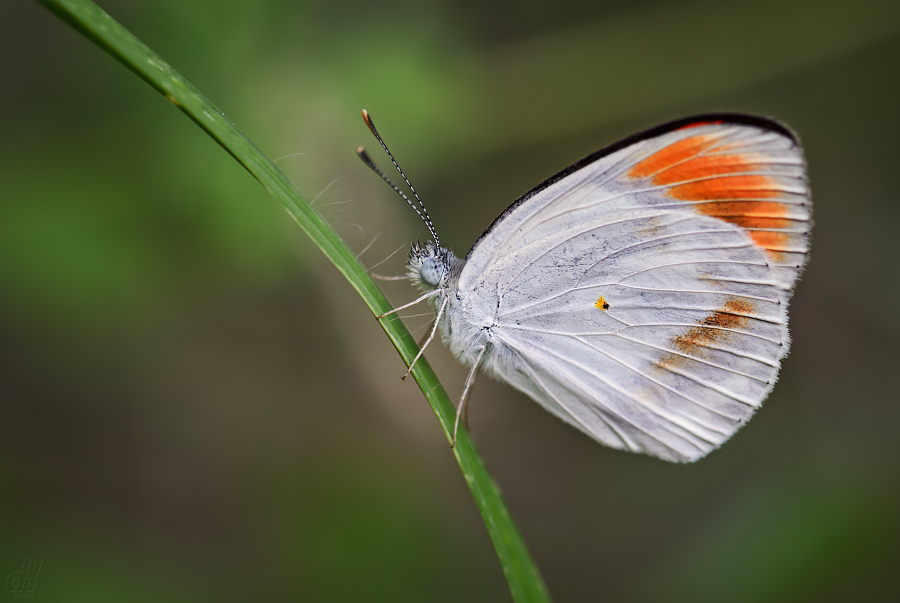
[
  {"x": 434, "y": 329},
  {"x": 462, "y": 400},
  {"x": 412, "y": 303},
  {"x": 381, "y": 277}
]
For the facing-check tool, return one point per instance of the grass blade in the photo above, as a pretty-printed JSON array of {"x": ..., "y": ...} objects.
[{"x": 524, "y": 580}]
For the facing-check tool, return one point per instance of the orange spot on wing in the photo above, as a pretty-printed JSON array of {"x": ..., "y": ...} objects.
[
  {"x": 601, "y": 303},
  {"x": 668, "y": 156}
]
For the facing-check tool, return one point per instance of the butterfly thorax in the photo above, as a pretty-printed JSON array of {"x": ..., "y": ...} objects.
[{"x": 435, "y": 268}]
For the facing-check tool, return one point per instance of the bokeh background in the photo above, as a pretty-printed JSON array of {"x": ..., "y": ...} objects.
[{"x": 195, "y": 406}]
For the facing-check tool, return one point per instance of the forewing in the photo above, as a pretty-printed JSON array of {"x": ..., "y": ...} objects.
[{"x": 643, "y": 296}]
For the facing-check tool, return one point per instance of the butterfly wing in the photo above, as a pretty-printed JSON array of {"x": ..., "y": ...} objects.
[{"x": 641, "y": 295}]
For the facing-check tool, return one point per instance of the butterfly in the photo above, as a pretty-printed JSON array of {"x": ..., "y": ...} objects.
[{"x": 641, "y": 294}]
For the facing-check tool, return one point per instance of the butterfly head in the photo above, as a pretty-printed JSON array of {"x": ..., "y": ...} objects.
[{"x": 429, "y": 265}]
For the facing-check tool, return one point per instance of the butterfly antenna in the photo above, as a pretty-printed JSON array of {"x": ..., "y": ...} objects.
[{"x": 368, "y": 161}]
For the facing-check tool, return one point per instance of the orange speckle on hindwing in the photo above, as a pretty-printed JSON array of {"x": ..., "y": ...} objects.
[
  {"x": 715, "y": 328},
  {"x": 733, "y": 315},
  {"x": 602, "y": 303}
]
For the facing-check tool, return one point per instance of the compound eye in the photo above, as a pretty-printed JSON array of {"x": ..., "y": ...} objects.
[{"x": 432, "y": 271}]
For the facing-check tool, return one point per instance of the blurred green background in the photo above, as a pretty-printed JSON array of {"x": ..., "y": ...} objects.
[{"x": 195, "y": 406}]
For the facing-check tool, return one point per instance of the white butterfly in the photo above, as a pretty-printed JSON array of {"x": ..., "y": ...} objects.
[{"x": 641, "y": 294}]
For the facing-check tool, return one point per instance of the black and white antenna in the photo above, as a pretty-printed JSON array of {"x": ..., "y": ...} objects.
[{"x": 368, "y": 161}]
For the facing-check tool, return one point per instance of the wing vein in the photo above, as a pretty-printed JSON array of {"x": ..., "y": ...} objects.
[
  {"x": 689, "y": 264},
  {"x": 715, "y": 292}
]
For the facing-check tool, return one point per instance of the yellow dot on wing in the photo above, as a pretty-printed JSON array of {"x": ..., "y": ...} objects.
[{"x": 601, "y": 303}]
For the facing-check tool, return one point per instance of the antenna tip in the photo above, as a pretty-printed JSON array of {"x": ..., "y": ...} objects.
[
  {"x": 361, "y": 152},
  {"x": 369, "y": 123}
]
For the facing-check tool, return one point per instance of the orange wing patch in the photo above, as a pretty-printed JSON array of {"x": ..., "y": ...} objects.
[
  {"x": 741, "y": 199},
  {"x": 725, "y": 187},
  {"x": 715, "y": 196},
  {"x": 670, "y": 155},
  {"x": 706, "y": 166}
]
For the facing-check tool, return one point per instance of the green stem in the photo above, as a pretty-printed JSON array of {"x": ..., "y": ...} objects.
[{"x": 524, "y": 580}]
